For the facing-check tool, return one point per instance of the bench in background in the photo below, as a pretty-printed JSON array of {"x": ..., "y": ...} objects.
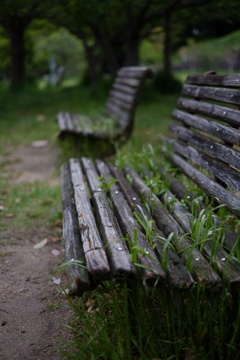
[
  {"x": 117, "y": 122},
  {"x": 204, "y": 141}
]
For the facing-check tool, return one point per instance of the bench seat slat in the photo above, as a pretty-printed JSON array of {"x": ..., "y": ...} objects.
[
  {"x": 94, "y": 252},
  {"x": 219, "y": 112},
  {"x": 118, "y": 254},
  {"x": 203, "y": 272},
  {"x": 211, "y": 127},
  {"x": 181, "y": 192},
  {"x": 152, "y": 270},
  {"x": 61, "y": 120},
  {"x": 218, "y": 94},
  {"x": 177, "y": 274},
  {"x": 220, "y": 260},
  {"x": 82, "y": 123},
  {"x": 214, "y": 148},
  {"x": 77, "y": 275},
  {"x": 68, "y": 122}
]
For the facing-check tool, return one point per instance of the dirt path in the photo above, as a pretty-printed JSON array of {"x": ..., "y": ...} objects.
[{"x": 29, "y": 328}]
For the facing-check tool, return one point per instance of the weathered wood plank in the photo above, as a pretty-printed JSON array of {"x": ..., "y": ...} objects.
[
  {"x": 61, "y": 120},
  {"x": 211, "y": 187},
  {"x": 135, "y": 72},
  {"x": 219, "y": 169},
  {"x": 127, "y": 98},
  {"x": 120, "y": 104},
  {"x": 229, "y": 96},
  {"x": 76, "y": 123},
  {"x": 222, "y": 113},
  {"x": 93, "y": 247},
  {"x": 203, "y": 272},
  {"x": 77, "y": 274},
  {"x": 128, "y": 81},
  {"x": 118, "y": 254},
  {"x": 181, "y": 192},
  {"x": 82, "y": 123},
  {"x": 68, "y": 122},
  {"x": 214, "y": 148},
  {"x": 119, "y": 109},
  {"x": 177, "y": 274},
  {"x": 125, "y": 88},
  {"x": 223, "y": 132},
  {"x": 231, "y": 80},
  {"x": 214, "y": 252},
  {"x": 151, "y": 270}
]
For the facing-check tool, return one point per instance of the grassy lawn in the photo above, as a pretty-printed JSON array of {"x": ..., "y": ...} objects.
[{"x": 114, "y": 322}]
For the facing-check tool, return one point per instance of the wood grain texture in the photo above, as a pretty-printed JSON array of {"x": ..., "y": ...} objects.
[
  {"x": 210, "y": 187},
  {"x": 77, "y": 274},
  {"x": 219, "y": 169},
  {"x": 219, "y": 112},
  {"x": 214, "y": 128},
  {"x": 228, "y": 80},
  {"x": 182, "y": 193},
  {"x": 118, "y": 254},
  {"x": 228, "y": 96},
  {"x": 219, "y": 258},
  {"x": 210, "y": 146},
  {"x": 93, "y": 246},
  {"x": 203, "y": 273},
  {"x": 177, "y": 274},
  {"x": 151, "y": 270}
]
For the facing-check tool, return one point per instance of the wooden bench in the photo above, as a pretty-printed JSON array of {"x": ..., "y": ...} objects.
[
  {"x": 100, "y": 226},
  {"x": 115, "y": 126}
]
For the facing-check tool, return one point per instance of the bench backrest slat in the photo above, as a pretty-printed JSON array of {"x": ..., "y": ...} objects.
[
  {"x": 216, "y": 94},
  {"x": 223, "y": 113},
  {"x": 215, "y": 80},
  {"x": 210, "y": 146},
  {"x": 124, "y": 94},
  {"x": 208, "y": 139},
  {"x": 225, "y": 173},
  {"x": 214, "y": 128},
  {"x": 118, "y": 86}
]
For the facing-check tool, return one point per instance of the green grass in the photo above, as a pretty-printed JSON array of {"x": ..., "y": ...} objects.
[
  {"x": 30, "y": 205},
  {"x": 125, "y": 322}
]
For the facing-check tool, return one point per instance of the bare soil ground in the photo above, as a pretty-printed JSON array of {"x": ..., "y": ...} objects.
[{"x": 30, "y": 328}]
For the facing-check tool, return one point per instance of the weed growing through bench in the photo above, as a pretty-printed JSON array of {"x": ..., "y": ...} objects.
[{"x": 105, "y": 184}]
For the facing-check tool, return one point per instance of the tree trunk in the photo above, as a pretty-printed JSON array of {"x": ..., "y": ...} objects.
[
  {"x": 92, "y": 71},
  {"x": 106, "y": 48},
  {"x": 167, "y": 44},
  {"x": 132, "y": 54},
  {"x": 17, "y": 58},
  {"x": 15, "y": 28}
]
